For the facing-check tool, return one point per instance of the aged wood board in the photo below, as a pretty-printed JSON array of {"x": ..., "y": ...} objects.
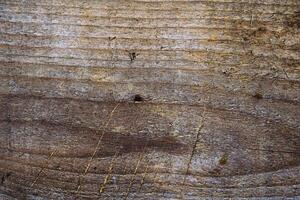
[{"x": 149, "y": 99}]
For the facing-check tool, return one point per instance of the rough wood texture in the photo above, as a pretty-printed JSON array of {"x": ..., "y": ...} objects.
[{"x": 149, "y": 99}]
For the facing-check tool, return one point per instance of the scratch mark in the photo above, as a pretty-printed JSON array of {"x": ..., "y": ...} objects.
[
  {"x": 134, "y": 175},
  {"x": 42, "y": 169},
  {"x": 191, "y": 156},
  {"x": 155, "y": 175},
  {"x": 124, "y": 172},
  {"x": 143, "y": 177},
  {"x": 96, "y": 149},
  {"x": 101, "y": 189}
]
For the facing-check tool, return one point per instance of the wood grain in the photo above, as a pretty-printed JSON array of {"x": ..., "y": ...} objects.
[{"x": 150, "y": 99}]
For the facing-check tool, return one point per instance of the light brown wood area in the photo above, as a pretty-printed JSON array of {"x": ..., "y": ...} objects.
[{"x": 149, "y": 99}]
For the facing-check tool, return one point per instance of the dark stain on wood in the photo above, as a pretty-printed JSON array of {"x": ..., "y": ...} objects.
[
  {"x": 137, "y": 143},
  {"x": 293, "y": 21}
]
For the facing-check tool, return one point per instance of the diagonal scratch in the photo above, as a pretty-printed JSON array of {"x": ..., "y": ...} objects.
[
  {"x": 101, "y": 189},
  {"x": 193, "y": 152},
  {"x": 42, "y": 169},
  {"x": 134, "y": 175},
  {"x": 155, "y": 175},
  {"x": 96, "y": 149},
  {"x": 143, "y": 177},
  {"x": 191, "y": 156},
  {"x": 124, "y": 172}
]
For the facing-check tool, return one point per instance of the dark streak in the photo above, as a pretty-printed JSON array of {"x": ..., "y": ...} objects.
[
  {"x": 293, "y": 21},
  {"x": 132, "y": 143},
  {"x": 2, "y": 179},
  {"x": 257, "y": 96},
  {"x": 5, "y": 176},
  {"x": 193, "y": 152},
  {"x": 274, "y": 151}
]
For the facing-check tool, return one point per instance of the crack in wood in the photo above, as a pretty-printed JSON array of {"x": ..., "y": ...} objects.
[{"x": 191, "y": 156}]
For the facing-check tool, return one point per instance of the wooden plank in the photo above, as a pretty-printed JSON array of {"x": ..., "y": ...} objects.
[{"x": 149, "y": 99}]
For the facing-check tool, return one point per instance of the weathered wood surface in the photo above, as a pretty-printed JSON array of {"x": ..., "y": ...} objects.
[{"x": 149, "y": 99}]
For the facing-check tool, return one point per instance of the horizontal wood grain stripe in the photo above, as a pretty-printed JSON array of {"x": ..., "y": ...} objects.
[
  {"x": 170, "y": 5},
  {"x": 234, "y": 23},
  {"x": 205, "y": 79},
  {"x": 54, "y": 175},
  {"x": 191, "y": 96},
  {"x": 90, "y": 191}
]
